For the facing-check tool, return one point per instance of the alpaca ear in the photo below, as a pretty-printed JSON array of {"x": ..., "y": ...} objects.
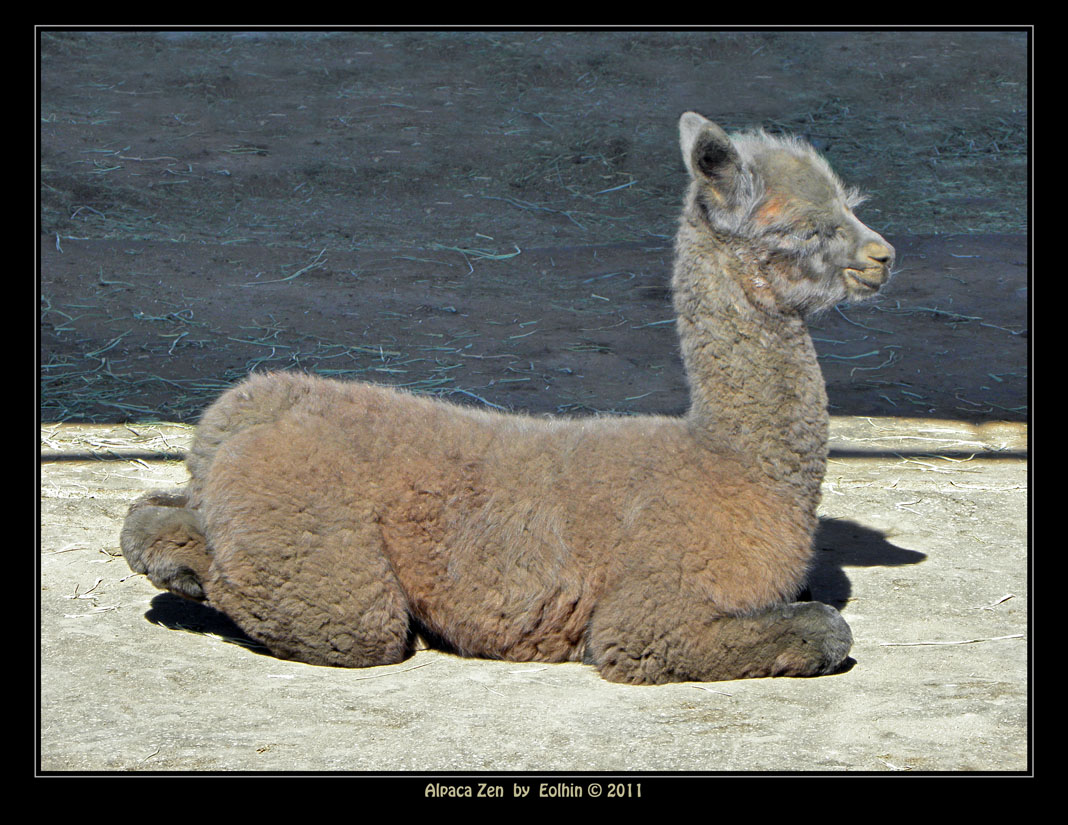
[{"x": 708, "y": 152}]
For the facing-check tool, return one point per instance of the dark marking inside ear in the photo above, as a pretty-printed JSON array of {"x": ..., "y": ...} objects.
[{"x": 714, "y": 158}]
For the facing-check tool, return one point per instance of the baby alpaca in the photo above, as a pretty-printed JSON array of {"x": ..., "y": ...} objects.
[{"x": 332, "y": 521}]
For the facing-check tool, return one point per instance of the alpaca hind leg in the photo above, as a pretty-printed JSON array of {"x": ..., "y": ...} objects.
[
  {"x": 324, "y": 596},
  {"x": 688, "y": 642},
  {"x": 163, "y": 539}
]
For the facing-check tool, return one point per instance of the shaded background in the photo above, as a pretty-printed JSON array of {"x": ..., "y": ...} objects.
[{"x": 487, "y": 216}]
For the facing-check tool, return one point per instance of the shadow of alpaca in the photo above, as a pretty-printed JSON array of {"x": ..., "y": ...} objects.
[
  {"x": 842, "y": 543},
  {"x": 176, "y": 613},
  {"x": 839, "y": 543}
]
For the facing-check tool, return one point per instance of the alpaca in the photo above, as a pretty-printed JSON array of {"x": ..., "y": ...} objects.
[{"x": 334, "y": 521}]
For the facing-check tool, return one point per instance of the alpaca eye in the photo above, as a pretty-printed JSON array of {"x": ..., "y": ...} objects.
[{"x": 823, "y": 233}]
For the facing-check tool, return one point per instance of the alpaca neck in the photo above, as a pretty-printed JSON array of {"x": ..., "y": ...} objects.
[{"x": 756, "y": 387}]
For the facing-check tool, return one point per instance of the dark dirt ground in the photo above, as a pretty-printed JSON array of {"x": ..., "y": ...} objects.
[
  {"x": 490, "y": 213},
  {"x": 487, "y": 217}
]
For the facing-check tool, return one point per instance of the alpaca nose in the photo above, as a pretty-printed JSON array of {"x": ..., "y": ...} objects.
[{"x": 879, "y": 252}]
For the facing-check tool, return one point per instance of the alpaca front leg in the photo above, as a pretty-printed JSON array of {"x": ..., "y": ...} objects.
[{"x": 686, "y": 642}]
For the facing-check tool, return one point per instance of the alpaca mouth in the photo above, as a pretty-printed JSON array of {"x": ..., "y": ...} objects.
[{"x": 866, "y": 281}]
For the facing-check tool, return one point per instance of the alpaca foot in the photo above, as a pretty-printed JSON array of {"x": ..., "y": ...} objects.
[
  {"x": 163, "y": 539},
  {"x": 796, "y": 639},
  {"x": 813, "y": 639}
]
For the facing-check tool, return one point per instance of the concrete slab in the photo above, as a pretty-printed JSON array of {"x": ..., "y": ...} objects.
[{"x": 923, "y": 545}]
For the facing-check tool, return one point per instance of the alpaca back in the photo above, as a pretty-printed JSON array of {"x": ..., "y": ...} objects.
[{"x": 502, "y": 530}]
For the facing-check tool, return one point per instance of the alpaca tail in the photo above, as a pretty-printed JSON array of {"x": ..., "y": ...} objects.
[{"x": 163, "y": 539}]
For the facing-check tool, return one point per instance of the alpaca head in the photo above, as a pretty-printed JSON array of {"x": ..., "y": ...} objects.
[{"x": 779, "y": 207}]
